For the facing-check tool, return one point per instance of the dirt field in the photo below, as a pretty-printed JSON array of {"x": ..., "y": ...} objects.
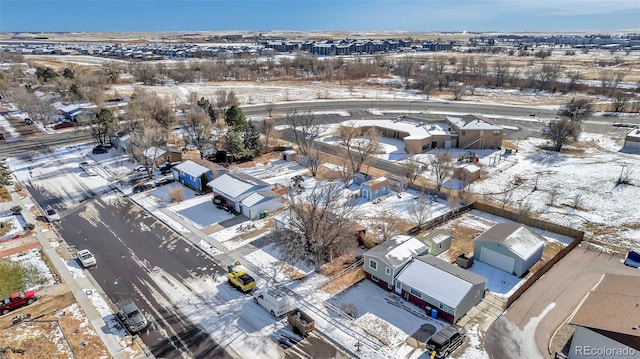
[{"x": 53, "y": 318}]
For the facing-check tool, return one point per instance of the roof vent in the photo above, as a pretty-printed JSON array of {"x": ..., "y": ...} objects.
[{"x": 634, "y": 327}]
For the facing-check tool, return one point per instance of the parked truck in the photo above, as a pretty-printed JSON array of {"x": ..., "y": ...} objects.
[
  {"x": 274, "y": 300},
  {"x": 445, "y": 341},
  {"x": 238, "y": 277},
  {"x": 302, "y": 323}
]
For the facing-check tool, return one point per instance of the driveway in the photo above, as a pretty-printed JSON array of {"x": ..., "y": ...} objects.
[{"x": 525, "y": 329}]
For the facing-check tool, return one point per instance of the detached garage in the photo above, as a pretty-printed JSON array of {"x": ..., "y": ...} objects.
[{"x": 511, "y": 247}]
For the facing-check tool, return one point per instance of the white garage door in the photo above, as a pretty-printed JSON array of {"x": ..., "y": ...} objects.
[{"x": 496, "y": 259}]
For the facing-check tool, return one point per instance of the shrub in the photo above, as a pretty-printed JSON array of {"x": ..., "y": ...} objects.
[
  {"x": 176, "y": 194},
  {"x": 15, "y": 210},
  {"x": 29, "y": 227}
]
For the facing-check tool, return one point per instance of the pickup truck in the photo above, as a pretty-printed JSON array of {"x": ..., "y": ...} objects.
[
  {"x": 17, "y": 300},
  {"x": 274, "y": 300},
  {"x": 302, "y": 323},
  {"x": 239, "y": 278},
  {"x": 131, "y": 316}
]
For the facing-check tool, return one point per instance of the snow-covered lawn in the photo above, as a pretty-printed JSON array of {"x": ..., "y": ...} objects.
[
  {"x": 499, "y": 282},
  {"x": 270, "y": 261},
  {"x": 33, "y": 259}
]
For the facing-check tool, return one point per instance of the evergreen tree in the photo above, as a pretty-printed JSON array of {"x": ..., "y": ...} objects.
[
  {"x": 234, "y": 117},
  {"x": 68, "y": 73},
  {"x": 206, "y": 105},
  {"x": 103, "y": 126},
  {"x": 5, "y": 175},
  {"x": 235, "y": 145},
  {"x": 251, "y": 139}
]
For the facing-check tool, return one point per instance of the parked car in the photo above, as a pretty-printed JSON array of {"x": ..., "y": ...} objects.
[
  {"x": 142, "y": 187},
  {"x": 166, "y": 168},
  {"x": 218, "y": 199},
  {"x": 131, "y": 316},
  {"x": 86, "y": 258},
  {"x": 445, "y": 341},
  {"x": 51, "y": 215},
  {"x": 2, "y": 137},
  {"x": 164, "y": 181},
  {"x": 17, "y": 300},
  {"x": 84, "y": 165},
  {"x": 98, "y": 150}
]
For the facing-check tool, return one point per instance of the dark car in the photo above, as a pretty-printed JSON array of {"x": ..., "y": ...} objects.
[
  {"x": 218, "y": 199},
  {"x": 142, "y": 187},
  {"x": 99, "y": 150},
  {"x": 2, "y": 136},
  {"x": 164, "y": 181}
]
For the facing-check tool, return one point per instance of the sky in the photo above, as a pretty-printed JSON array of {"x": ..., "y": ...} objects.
[{"x": 321, "y": 15}]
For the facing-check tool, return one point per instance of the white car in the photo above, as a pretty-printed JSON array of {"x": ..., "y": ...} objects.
[
  {"x": 51, "y": 215},
  {"x": 86, "y": 258}
]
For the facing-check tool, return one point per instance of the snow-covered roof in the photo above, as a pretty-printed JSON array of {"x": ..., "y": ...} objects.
[
  {"x": 447, "y": 283},
  {"x": 415, "y": 130},
  {"x": 377, "y": 183},
  {"x": 470, "y": 122},
  {"x": 191, "y": 168},
  {"x": 153, "y": 152},
  {"x": 437, "y": 236},
  {"x": 634, "y": 133},
  {"x": 234, "y": 185},
  {"x": 258, "y": 197},
  {"x": 518, "y": 238},
  {"x": 398, "y": 250}
]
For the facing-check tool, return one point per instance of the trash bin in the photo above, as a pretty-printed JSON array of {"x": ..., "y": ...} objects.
[{"x": 434, "y": 313}]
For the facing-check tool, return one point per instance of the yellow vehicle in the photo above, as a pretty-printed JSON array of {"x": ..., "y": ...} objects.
[{"x": 238, "y": 278}]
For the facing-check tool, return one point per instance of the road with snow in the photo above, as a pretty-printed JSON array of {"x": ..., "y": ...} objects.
[{"x": 130, "y": 246}]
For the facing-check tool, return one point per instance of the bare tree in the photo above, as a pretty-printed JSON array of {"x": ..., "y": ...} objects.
[
  {"x": 198, "y": 128},
  {"x": 225, "y": 99},
  {"x": 420, "y": 209},
  {"x": 610, "y": 81},
  {"x": 500, "y": 72},
  {"x": 620, "y": 100},
  {"x": 39, "y": 110},
  {"x": 112, "y": 71},
  {"x": 548, "y": 76},
  {"x": 412, "y": 169},
  {"x": 149, "y": 105},
  {"x": 320, "y": 225},
  {"x": 574, "y": 77},
  {"x": 386, "y": 229},
  {"x": 440, "y": 163},
  {"x": 268, "y": 125},
  {"x": 458, "y": 90},
  {"x": 561, "y": 132},
  {"x": 577, "y": 109},
  {"x": 269, "y": 108},
  {"x": 345, "y": 172},
  {"x": 554, "y": 194},
  {"x": 405, "y": 68},
  {"x": 305, "y": 130},
  {"x": 359, "y": 146},
  {"x": 146, "y": 140}
]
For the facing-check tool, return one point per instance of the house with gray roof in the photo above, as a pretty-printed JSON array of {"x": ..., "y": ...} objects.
[
  {"x": 234, "y": 187},
  {"x": 445, "y": 290},
  {"x": 512, "y": 247},
  {"x": 383, "y": 262},
  {"x": 191, "y": 174},
  {"x": 606, "y": 322},
  {"x": 259, "y": 204}
]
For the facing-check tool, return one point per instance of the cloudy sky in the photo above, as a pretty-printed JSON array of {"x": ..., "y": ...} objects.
[{"x": 360, "y": 15}]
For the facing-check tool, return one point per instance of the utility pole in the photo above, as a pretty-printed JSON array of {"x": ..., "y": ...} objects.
[{"x": 621, "y": 173}]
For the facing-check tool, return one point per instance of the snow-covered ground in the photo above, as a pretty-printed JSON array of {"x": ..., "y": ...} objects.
[{"x": 33, "y": 259}]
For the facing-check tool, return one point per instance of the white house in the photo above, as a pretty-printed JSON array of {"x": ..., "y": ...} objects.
[{"x": 235, "y": 187}]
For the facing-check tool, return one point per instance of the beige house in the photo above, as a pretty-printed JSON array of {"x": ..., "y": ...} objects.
[
  {"x": 467, "y": 132},
  {"x": 473, "y": 132}
]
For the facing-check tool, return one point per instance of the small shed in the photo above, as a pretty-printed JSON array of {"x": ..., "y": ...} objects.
[
  {"x": 466, "y": 173},
  {"x": 290, "y": 155},
  {"x": 511, "y": 247},
  {"x": 190, "y": 174},
  {"x": 397, "y": 183},
  {"x": 438, "y": 241},
  {"x": 155, "y": 156},
  {"x": 360, "y": 178},
  {"x": 259, "y": 204},
  {"x": 374, "y": 188}
]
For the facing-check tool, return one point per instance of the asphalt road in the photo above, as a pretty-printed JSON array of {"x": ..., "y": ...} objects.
[{"x": 129, "y": 245}]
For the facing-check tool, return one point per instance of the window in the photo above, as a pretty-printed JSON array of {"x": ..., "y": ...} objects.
[
  {"x": 445, "y": 308},
  {"x": 388, "y": 271},
  {"x": 463, "y": 133},
  {"x": 373, "y": 264},
  {"x": 416, "y": 293},
  {"x": 374, "y": 278},
  {"x": 496, "y": 132},
  {"x": 481, "y": 133}
]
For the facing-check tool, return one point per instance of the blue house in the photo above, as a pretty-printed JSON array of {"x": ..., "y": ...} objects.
[
  {"x": 374, "y": 188},
  {"x": 190, "y": 174}
]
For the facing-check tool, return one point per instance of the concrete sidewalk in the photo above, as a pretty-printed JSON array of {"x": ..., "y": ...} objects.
[{"x": 75, "y": 285}]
